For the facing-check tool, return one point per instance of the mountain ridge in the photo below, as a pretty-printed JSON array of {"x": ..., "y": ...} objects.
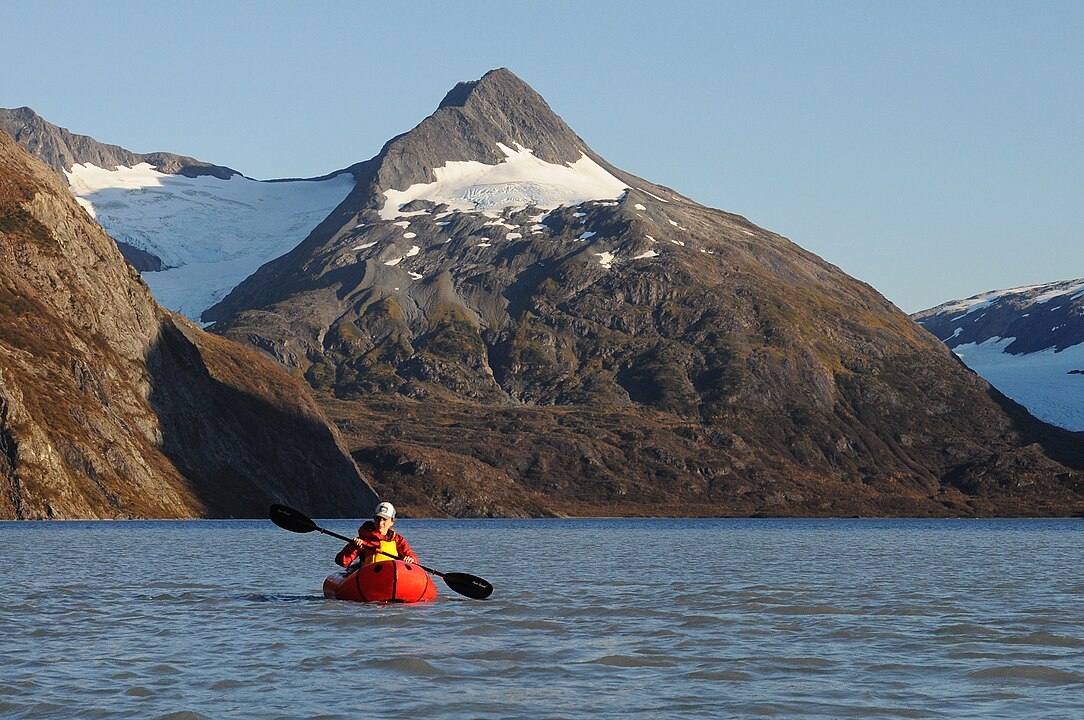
[
  {"x": 1010, "y": 313},
  {"x": 490, "y": 343},
  {"x": 60, "y": 149}
]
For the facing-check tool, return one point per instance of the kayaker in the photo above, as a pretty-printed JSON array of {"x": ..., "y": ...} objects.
[{"x": 376, "y": 534}]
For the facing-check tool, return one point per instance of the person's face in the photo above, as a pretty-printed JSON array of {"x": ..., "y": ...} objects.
[{"x": 383, "y": 524}]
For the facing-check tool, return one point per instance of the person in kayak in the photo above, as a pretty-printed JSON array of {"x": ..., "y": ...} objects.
[{"x": 376, "y": 535}]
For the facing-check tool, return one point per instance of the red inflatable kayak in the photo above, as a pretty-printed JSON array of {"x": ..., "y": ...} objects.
[{"x": 388, "y": 581}]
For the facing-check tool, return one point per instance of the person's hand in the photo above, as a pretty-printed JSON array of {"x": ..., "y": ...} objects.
[
  {"x": 409, "y": 559},
  {"x": 359, "y": 543}
]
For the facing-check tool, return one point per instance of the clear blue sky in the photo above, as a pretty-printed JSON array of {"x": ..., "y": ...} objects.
[{"x": 932, "y": 149}]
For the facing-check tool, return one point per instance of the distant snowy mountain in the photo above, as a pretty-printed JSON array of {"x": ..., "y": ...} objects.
[
  {"x": 1028, "y": 342},
  {"x": 208, "y": 233}
]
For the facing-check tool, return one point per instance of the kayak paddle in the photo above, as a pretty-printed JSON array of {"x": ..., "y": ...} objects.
[{"x": 471, "y": 586}]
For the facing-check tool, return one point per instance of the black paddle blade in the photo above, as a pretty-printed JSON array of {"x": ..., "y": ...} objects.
[
  {"x": 470, "y": 585},
  {"x": 290, "y": 519}
]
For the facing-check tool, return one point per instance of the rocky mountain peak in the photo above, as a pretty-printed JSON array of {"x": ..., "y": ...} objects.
[
  {"x": 498, "y": 83},
  {"x": 503, "y": 105},
  {"x": 479, "y": 121}
]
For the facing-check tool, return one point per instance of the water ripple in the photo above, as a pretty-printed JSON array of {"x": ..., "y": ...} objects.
[{"x": 788, "y": 619}]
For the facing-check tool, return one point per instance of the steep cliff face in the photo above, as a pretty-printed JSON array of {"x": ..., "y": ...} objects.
[
  {"x": 494, "y": 292},
  {"x": 111, "y": 407}
]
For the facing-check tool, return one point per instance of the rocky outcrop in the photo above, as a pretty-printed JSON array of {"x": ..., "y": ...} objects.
[{"x": 111, "y": 407}]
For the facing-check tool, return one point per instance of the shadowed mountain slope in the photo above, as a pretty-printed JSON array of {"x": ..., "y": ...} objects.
[{"x": 111, "y": 407}]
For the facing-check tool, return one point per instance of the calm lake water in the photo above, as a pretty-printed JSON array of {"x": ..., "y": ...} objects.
[{"x": 589, "y": 619}]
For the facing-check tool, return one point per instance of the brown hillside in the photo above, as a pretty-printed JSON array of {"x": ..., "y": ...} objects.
[
  {"x": 490, "y": 363},
  {"x": 111, "y": 407}
]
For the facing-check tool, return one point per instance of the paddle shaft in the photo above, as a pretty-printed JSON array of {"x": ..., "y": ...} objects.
[{"x": 431, "y": 571}]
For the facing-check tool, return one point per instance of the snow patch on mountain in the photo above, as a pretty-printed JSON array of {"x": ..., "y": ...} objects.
[
  {"x": 212, "y": 233},
  {"x": 520, "y": 181},
  {"x": 1031, "y": 294},
  {"x": 1049, "y": 384}
]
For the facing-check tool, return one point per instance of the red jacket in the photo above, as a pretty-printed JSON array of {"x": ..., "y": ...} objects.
[{"x": 371, "y": 538}]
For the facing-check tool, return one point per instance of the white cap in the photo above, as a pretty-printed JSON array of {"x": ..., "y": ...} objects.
[{"x": 385, "y": 510}]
